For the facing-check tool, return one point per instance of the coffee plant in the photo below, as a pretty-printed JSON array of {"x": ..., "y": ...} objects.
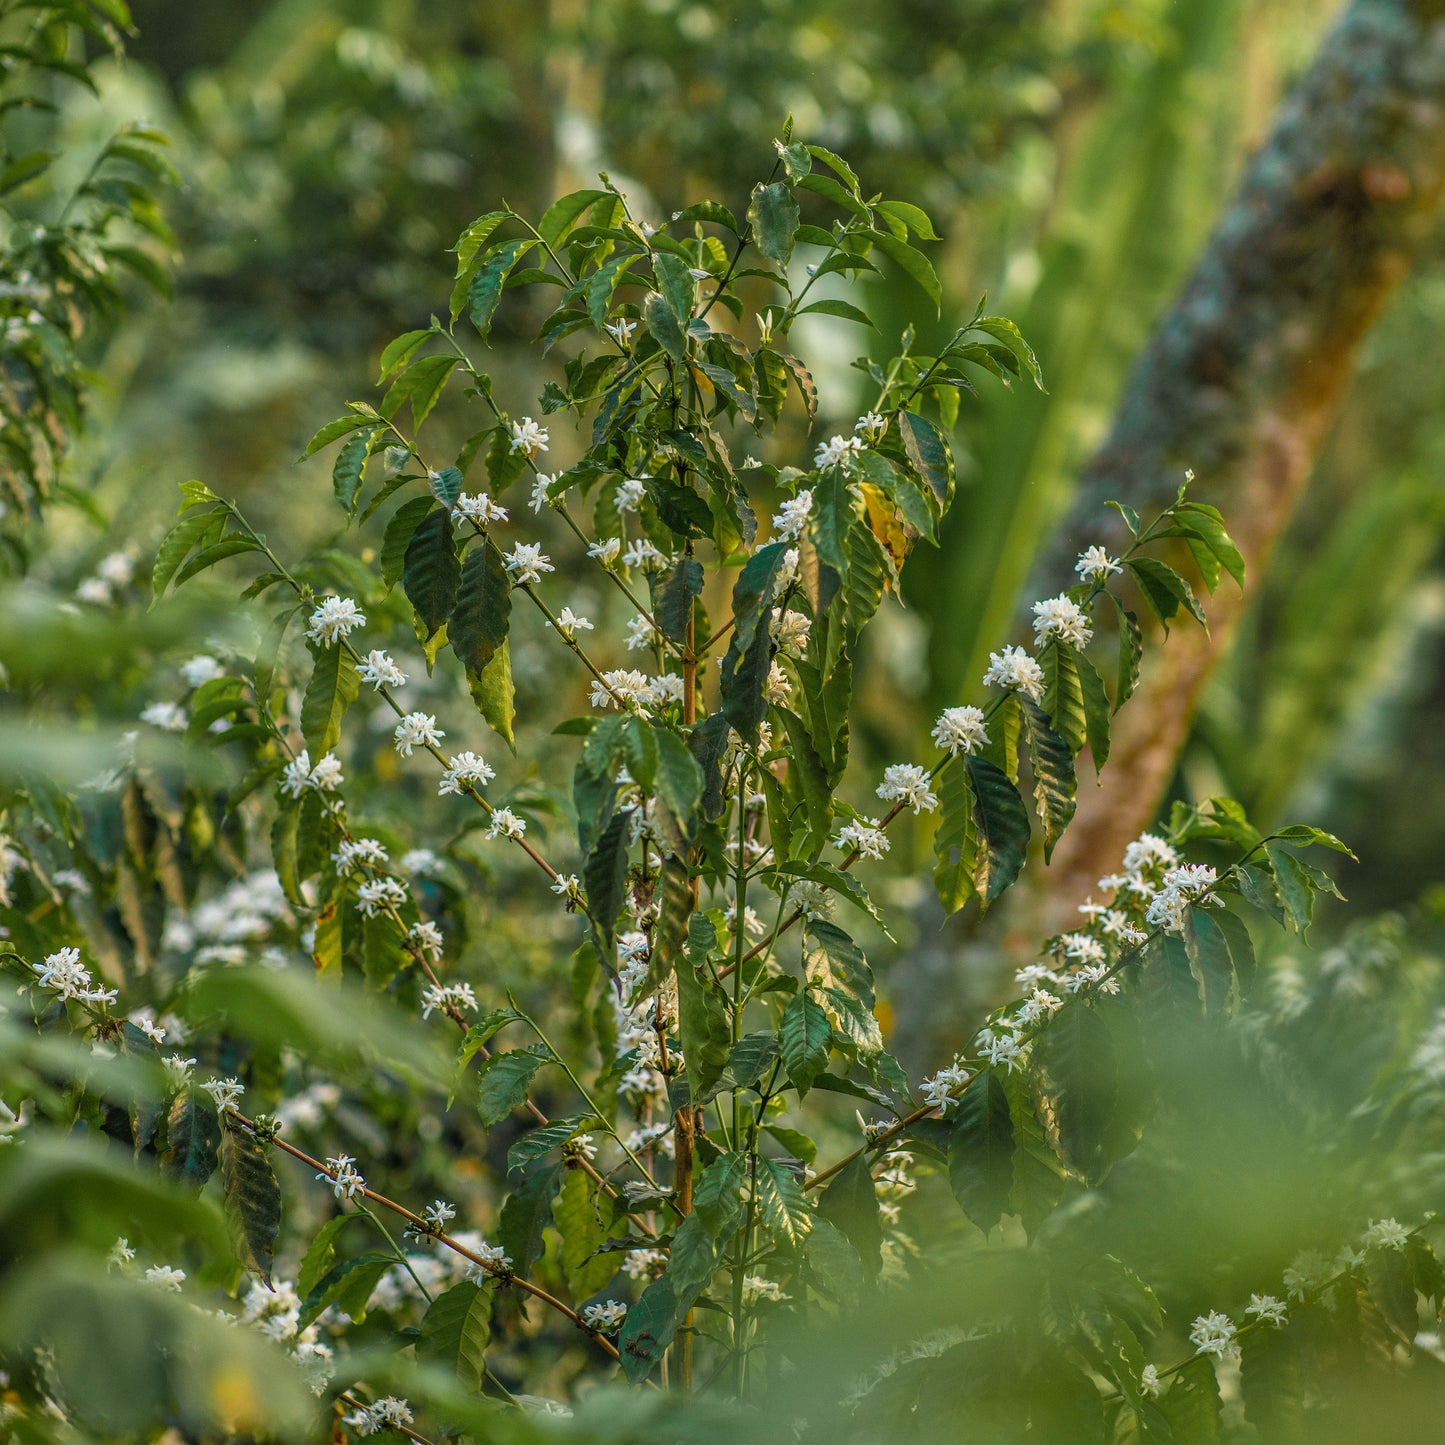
[{"x": 368, "y": 1077}]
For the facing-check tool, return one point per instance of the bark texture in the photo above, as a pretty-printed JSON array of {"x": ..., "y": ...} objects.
[{"x": 1243, "y": 375}]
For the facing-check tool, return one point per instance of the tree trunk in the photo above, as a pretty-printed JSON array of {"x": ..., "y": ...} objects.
[{"x": 1244, "y": 374}]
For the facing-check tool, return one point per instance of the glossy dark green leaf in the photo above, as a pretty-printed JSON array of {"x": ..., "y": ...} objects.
[
  {"x": 480, "y": 620},
  {"x": 911, "y": 262},
  {"x": 850, "y": 1203},
  {"x": 1075, "y": 1073},
  {"x": 703, "y": 1025},
  {"x": 252, "y": 1200},
  {"x": 193, "y": 1136},
  {"x": 981, "y": 1151},
  {"x": 804, "y": 1040},
  {"x": 1001, "y": 824},
  {"x": 1164, "y": 590},
  {"x": 431, "y": 574},
  {"x": 1052, "y": 765},
  {"x": 717, "y": 1196},
  {"x": 503, "y": 1080},
  {"x": 455, "y": 1332},
  {"x": 332, "y": 688},
  {"x": 399, "y": 531},
  {"x": 347, "y": 470},
  {"x": 320, "y": 1253},
  {"x": 1097, "y": 711},
  {"x": 929, "y": 454},
  {"x": 673, "y": 596},
  {"x": 348, "y": 1285},
  {"x": 783, "y": 1211},
  {"x": 526, "y": 1213},
  {"x": 1209, "y": 961},
  {"x": 1063, "y": 698}
]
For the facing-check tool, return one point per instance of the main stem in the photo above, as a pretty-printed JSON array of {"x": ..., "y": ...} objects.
[{"x": 685, "y": 1121}]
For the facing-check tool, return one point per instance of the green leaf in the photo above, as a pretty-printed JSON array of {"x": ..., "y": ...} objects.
[
  {"x": 332, "y": 689},
  {"x": 253, "y": 1201},
  {"x": 455, "y": 1332},
  {"x": 584, "y": 1232},
  {"x": 844, "y": 309},
  {"x": 750, "y": 1058},
  {"x": 431, "y": 574},
  {"x": 804, "y": 1041},
  {"x": 911, "y": 216},
  {"x": 479, "y": 622},
  {"x": 604, "y": 876},
  {"x": 929, "y": 455},
  {"x": 603, "y": 283},
  {"x": 193, "y": 1135},
  {"x": 981, "y": 1151},
  {"x": 346, "y": 473},
  {"x": 1209, "y": 960},
  {"x": 1131, "y": 648},
  {"x": 675, "y": 282},
  {"x": 1064, "y": 694},
  {"x": 541, "y": 1142},
  {"x": 1164, "y": 590},
  {"x": 850, "y": 1203},
  {"x": 207, "y": 557},
  {"x": 1038, "y": 1175},
  {"x": 420, "y": 384},
  {"x": 773, "y": 215},
  {"x": 1303, "y": 836},
  {"x": 659, "y": 320},
  {"x": 503, "y": 1081},
  {"x": 1270, "y": 1383},
  {"x": 398, "y": 353},
  {"x": 955, "y": 840},
  {"x": 806, "y": 767},
  {"x": 912, "y": 263},
  {"x": 383, "y": 948},
  {"x": 348, "y": 1285},
  {"x": 717, "y": 1194},
  {"x": 176, "y": 546},
  {"x": 1052, "y": 765},
  {"x": 1075, "y": 1072},
  {"x": 494, "y": 693},
  {"x": 485, "y": 291},
  {"x": 782, "y": 1209},
  {"x": 562, "y": 215},
  {"x": 1001, "y": 329},
  {"x": 1191, "y": 1406},
  {"x": 320, "y": 1253},
  {"x": 1097, "y": 711},
  {"x": 744, "y": 671},
  {"x": 702, "y": 1023},
  {"x": 673, "y": 596},
  {"x": 399, "y": 532},
  {"x": 1208, "y": 525},
  {"x": 525, "y": 1216},
  {"x": 342, "y": 426},
  {"x": 1002, "y": 826}
]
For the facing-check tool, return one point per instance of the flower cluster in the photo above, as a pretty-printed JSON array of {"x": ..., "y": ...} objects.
[
  {"x": 386, "y": 1414},
  {"x": 1015, "y": 671},
  {"x": 64, "y": 974},
  {"x": 345, "y": 1182},
  {"x": 334, "y": 619},
  {"x": 325, "y": 776}
]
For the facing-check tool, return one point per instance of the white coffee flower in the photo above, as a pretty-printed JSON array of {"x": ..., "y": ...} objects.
[
  {"x": 481, "y": 509},
  {"x": 792, "y": 517},
  {"x": 1213, "y": 1334},
  {"x": 447, "y": 998},
  {"x": 166, "y": 1278},
  {"x": 223, "y": 1092},
  {"x": 1149, "y": 1382},
  {"x": 569, "y": 622},
  {"x": 428, "y": 937},
  {"x": 1095, "y": 564},
  {"x": 1267, "y": 1309},
  {"x": 326, "y": 776},
  {"x": 621, "y": 330},
  {"x": 526, "y": 562},
  {"x": 938, "y": 1091},
  {"x": 606, "y": 1318},
  {"x": 540, "y": 486},
  {"x": 837, "y": 450},
  {"x": 907, "y": 783},
  {"x": 1385, "y": 1234},
  {"x": 1060, "y": 618},
  {"x": 335, "y": 618},
  {"x": 630, "y": 492},
  {"x": 345, "y": 1182},
  {"x": 529, "y": 437},
  {"x": 506, "y": 824},
  {"x": 379, "y": 895},
  {"x": 380, "y": 671},
  {"x": 416, "y": 729},
  {"x": 960, "y": 729},
  {"x": 865, "y": 836},
  {"x": 464, "y": 771},
  {"x": 1014, "y": 670},
  {"x": 606, "y": 551}
]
